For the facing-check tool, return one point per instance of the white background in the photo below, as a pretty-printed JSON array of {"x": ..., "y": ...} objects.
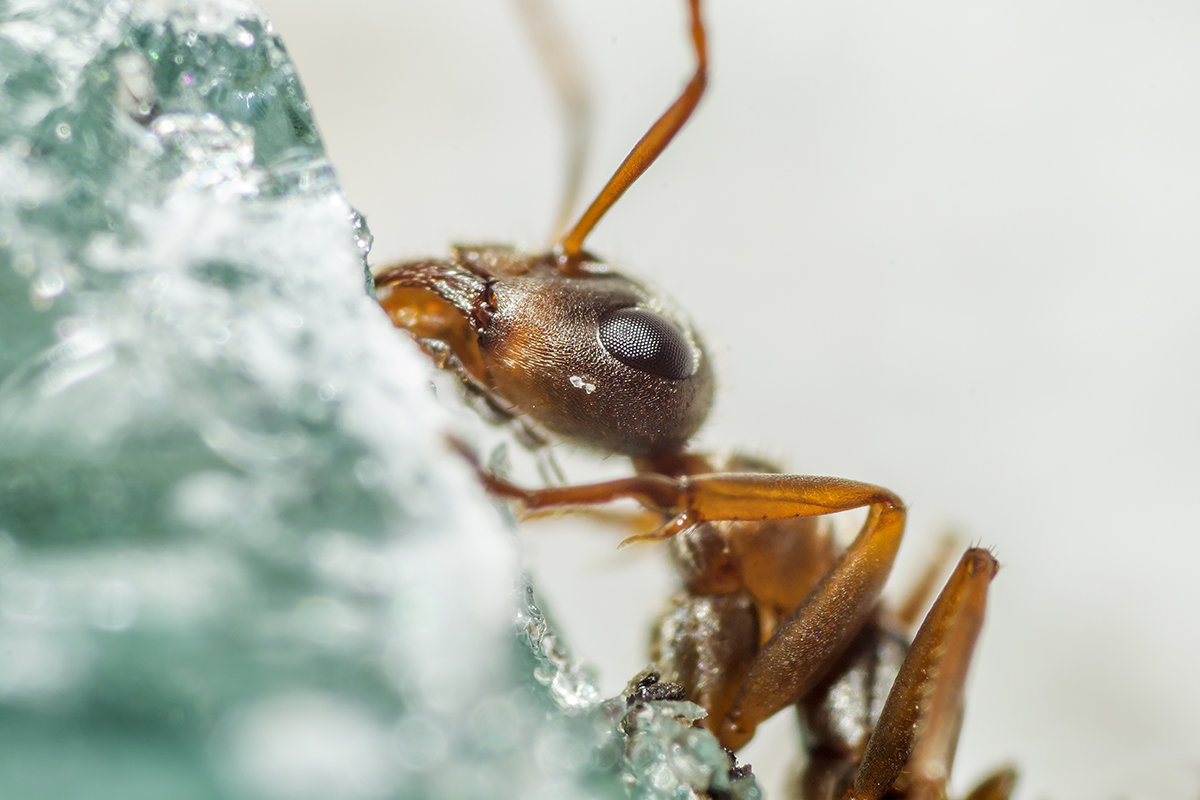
[{"x": 946, "y": 247}]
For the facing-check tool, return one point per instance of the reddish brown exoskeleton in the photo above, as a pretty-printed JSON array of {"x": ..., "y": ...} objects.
[{"x": 771, "y": 615}]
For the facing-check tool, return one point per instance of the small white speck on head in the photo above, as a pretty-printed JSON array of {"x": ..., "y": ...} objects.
[{"x": 580, "y": 383}]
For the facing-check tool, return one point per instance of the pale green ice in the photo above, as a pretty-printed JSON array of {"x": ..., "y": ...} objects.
[{"x": 237, "y": 559}]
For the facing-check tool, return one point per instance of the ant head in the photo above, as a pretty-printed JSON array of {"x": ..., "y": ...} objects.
[
  {"x": 588, "y": 353},
  {"x": 561, "y": 338}
]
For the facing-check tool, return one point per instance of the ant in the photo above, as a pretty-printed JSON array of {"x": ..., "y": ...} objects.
[{"x": 772, "y": 616}]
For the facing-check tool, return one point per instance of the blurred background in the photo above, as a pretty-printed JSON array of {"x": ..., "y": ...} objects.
[{"x": 949, "y": 248}]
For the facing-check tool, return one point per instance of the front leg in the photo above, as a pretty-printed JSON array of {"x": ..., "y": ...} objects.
[{"x": 810, "y": 641}]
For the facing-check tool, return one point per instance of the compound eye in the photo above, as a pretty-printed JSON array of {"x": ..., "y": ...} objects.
[{"x": 647, "y": 342}]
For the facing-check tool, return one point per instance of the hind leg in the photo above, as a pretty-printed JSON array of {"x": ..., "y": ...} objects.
[{"x": 915, "y": 737}]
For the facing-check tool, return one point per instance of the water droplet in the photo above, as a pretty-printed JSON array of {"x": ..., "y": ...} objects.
[{"x": 48, "y": 284}]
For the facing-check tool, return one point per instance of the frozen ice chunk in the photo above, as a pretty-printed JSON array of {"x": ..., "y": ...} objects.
[{"x": 237, "y": 557}]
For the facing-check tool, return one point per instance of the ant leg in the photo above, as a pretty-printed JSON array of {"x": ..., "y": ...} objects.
[
  {"x": 794, "y": 658},
  {"x": 918, "y": 727}
]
